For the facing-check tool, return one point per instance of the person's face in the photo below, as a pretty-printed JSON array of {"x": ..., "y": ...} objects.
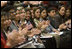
[
  {"x": 12, "y": 16},
  {"x": 17, "y": 16},
  {"x": 18, "y": 11},
  {"x": 43, "y": 13},
  {"x": 7, "y": 22},
  {"x": 62, "y": 11},
  {"x": 28, "y": 15},
  {"x": 31, "y": 11},
  {"x": 52, "y": 13},
  {"x": 22, "y": 15},
  {"x": 22, "y": 10},
  {"x": 67, "y": 12},
  {"x": 37, "y": 13},
  {"x": 32, "y": 14}
]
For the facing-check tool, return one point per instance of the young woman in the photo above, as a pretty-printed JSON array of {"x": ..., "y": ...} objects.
[
  {"x": 32, "y": 13},
  {"x": 37, "y": 16},
  {"x": 67, "y": 14},
  {"x": 61, "y": 13},
  {"x": 43, "y": 14},
  {"x": 28, "y": 19}
]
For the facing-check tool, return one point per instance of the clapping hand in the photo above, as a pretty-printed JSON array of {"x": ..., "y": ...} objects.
[
  {"x": 14, "y": 38},
  {"x": 62, "y": 26}
]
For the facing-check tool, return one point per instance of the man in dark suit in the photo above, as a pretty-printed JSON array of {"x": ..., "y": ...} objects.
[{"x": 65, "y": 38}]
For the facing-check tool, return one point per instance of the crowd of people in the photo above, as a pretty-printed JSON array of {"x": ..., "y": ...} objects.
[{"x": 32, "y": 18}]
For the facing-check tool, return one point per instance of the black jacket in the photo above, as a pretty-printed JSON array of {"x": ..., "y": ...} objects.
[{"x": 55, "y": 22}]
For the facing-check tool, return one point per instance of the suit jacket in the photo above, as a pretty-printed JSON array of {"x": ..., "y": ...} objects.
[
  {"x": 65, "y": 39},
  {"x": 56, "y": 21}
]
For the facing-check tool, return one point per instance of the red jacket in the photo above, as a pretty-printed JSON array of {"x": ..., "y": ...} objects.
[{"x": 3, "y": 42}]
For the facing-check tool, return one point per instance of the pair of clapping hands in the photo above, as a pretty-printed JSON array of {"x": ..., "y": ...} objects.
[
  {"x": 34, "y": 31},
  {"x": 16, "y": 37},
  {"x": 43, "y": 24},
  {"x": 24, "y": 29},
  {"x": 65, "y": 25},
  {"x": 24, "y": 25}
]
